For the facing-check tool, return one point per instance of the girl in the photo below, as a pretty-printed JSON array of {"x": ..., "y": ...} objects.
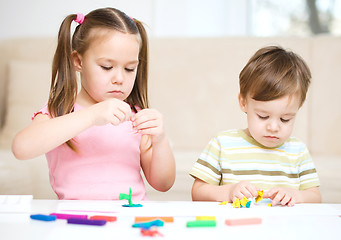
[
  {"x": 97, "y": 139},
  {"x": 238, "y": 163}
]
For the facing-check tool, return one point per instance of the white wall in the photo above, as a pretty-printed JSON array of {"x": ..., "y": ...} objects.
[{"x": 164, "y": 18}]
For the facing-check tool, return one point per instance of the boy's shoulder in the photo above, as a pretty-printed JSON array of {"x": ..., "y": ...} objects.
[
  {"x": 294, "y": 143},
  {"x": 228, "y": 133}
]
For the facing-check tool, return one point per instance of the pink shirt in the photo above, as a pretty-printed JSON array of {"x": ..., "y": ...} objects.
[{"x": 107, "y": 164}]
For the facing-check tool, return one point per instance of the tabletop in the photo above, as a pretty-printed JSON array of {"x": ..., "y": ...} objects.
[{"x": 302, "y": 221}]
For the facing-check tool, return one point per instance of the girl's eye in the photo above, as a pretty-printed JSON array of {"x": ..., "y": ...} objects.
[
  {"x": 130, "y": 69},
  {"x": 285, "y": 120},
  {"x": 263, "y": 118},
  {"x": 106, "y": 68}
]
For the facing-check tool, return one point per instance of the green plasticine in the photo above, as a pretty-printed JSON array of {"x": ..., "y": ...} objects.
[{"x": 202, "y": 223}]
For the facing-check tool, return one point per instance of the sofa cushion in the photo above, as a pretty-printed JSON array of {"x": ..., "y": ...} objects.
[{"x": 28, "y": 90}]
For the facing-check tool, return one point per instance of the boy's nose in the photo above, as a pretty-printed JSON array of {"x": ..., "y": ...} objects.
[{"x": 273, "y": 126}]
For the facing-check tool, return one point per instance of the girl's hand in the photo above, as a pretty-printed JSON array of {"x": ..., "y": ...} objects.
[
  {"x": 286, "y": 196},
  {"x": 241, "y": 189},
  {"x": 112, "y": 111},
  {"x": 149, "y": 122}
]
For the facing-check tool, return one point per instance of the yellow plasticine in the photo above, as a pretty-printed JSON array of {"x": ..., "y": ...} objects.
[
  {"x": 236, "y": 203},
  {"x": 224, "y": 203},
  {"x": 269, "y": 205},
  {"x": 244, "y": 201},
  {"x": 211, "y": 218},
  {"x": 260, "y": 196}
]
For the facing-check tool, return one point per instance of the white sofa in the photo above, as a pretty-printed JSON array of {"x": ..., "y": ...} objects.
[{"x": 194, "y": 83}]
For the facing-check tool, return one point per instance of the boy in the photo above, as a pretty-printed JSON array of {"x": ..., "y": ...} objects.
[{"x": 237, "y": 163}]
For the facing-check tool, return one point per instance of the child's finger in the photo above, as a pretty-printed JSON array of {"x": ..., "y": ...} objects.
[
  {"x": 286, "y": 199},
  {"x": 252, "y": 190},
  {"x": 277, "y": 198}
]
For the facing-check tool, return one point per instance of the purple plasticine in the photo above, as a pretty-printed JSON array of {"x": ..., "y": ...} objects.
[{"x": 86, "y": 221}]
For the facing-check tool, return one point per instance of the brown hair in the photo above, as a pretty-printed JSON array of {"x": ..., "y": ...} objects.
[
  {"x": 272, "y": 73},
  {"x": 63, "y": 90}
]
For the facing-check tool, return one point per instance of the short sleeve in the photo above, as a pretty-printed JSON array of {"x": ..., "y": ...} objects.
[
  {"x": 208, "y": 167},
  {"x": 307, "y": 172},
  {"x": 43, "y": 110}
]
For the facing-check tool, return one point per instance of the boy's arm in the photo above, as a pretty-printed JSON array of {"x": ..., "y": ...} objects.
[
  {"x": 202, "y": 191},
  {"x": 310, "y": 195},
  {"x": 289, "y": 196}
]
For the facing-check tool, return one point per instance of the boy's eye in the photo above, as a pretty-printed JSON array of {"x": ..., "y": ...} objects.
[
  {"x": 262, "y": 117},
  {"x": 285, "y": 120},
  {"x": 106, "y": 68}
]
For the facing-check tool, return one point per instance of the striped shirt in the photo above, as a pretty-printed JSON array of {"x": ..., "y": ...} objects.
[{"x": 233, "y": 156}]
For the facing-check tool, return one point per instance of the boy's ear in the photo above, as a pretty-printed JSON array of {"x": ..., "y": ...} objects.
[
  {"x": 77, "y": 61},
  {"x": 242, "y": 103}
]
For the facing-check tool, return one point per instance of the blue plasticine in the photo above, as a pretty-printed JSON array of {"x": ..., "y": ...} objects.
[
  {"x": 132, "y": 205},
  {"x": 148, "y": 225},
  {"x": 42, "y": 217}
]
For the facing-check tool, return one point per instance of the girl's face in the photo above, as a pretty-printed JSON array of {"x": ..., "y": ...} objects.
[
  {"x": 270, "y": 123},
  {"x": 108, "y": 67}
]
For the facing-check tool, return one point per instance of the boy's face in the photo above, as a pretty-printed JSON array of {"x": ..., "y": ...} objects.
[{"x": 270, "y": 123}]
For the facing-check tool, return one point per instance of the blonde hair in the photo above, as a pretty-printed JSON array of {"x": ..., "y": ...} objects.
[
  {"x": 272, "y": 73},
  {"x": 63, "y": 89}
]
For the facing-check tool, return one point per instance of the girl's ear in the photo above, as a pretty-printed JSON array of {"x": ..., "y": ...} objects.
[
  {"x": 242, "y": 103},
  {"x": 77, "y": 61}
]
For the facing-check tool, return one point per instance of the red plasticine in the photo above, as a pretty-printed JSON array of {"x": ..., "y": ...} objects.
[
  {"x": 243, "y": 221},
  {"x": 107, "y": 218}
]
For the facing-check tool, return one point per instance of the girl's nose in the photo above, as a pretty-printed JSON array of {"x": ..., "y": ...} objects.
[{"x": 118, "y": 77}]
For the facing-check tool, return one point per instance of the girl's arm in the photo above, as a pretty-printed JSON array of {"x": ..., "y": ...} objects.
[
  {"x": 157, "y": 160},
  {"x": 45, "y": 133},
  {"x": 203, "y": 191}
]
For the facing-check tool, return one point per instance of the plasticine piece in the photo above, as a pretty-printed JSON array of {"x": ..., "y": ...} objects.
[
  {"x": 269, "y": 205},
  {"x": 42, "y": 217},
  {"x": 236, "y": 203},
  {"x": 151, "y": 232},
  {"x": 201, "y": 223},
  {"x": 148, "y": 219},
  {"x": 128, "y": 197},
  {"x": 206, "y": 218},
  {"x": 86, "y": 221},
  {"x": 248, "y": 204},
  {"x": 243, "y": 221},
  {"x": 106, "y": 218},
  {"x": 260, "y": 196},
  {"x": 224, "y": 203},
  {"x": 67, "y": 216},
  {"x": 244, "y": 201},
  {"x": 148, "y": 225},
  {"x": 132, "y": 205}
]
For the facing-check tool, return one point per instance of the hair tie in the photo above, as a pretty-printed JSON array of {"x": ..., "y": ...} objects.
[{"x": 80, "y": 18}]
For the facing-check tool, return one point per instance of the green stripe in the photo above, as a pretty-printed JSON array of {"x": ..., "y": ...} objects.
[
  {"x": 260, "y": 172},
  {"x": 206, "y": 164}
]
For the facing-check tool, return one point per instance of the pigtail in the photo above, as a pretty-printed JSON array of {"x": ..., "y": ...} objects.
[
  {"x": 63, "y": 89},
  {"x": 139, "y": 95}
]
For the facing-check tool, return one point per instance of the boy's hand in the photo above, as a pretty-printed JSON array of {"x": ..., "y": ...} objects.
[
  {"x": 149, "y": 122},
  {"x": 286, "y": 196},
  {"x": 241, "y": 189}
]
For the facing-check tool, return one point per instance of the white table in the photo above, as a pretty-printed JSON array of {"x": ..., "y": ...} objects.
[{"x": 303, "y": 221}]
